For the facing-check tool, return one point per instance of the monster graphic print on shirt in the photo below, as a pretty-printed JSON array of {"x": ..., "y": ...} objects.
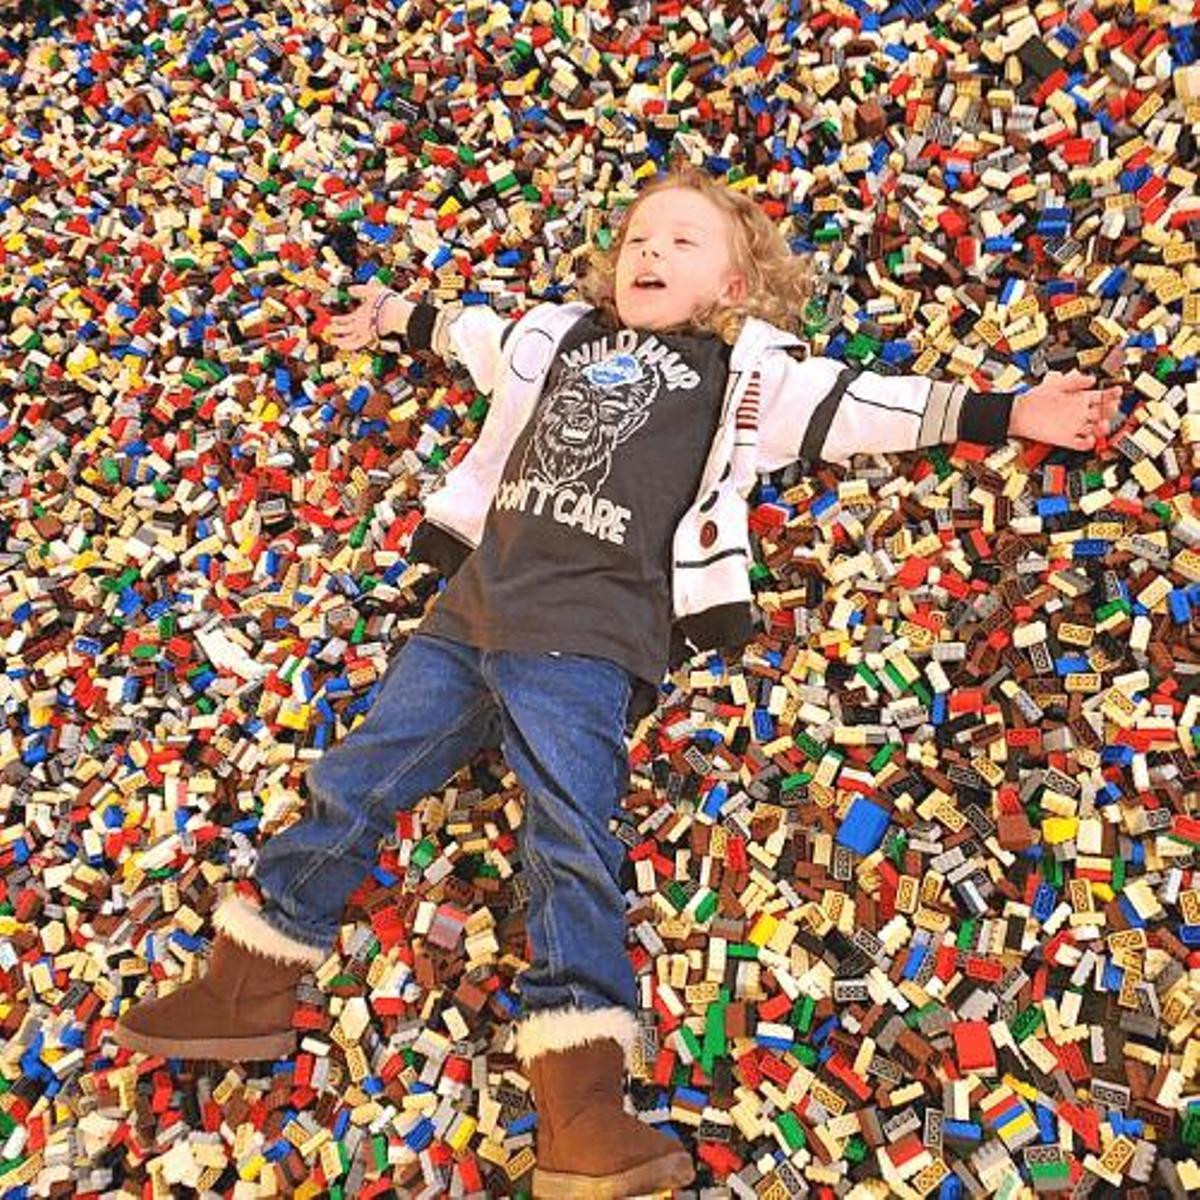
[
  {"x": 575, "y": 552},
  {"x": 601, "y": 397}
]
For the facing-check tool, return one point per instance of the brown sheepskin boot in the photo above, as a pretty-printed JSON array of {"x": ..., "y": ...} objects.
[
  {"x": 241, "y": 1008},
  {"x": 588, "y": 1146}
]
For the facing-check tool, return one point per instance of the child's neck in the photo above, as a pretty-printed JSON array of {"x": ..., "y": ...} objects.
[{"x": 682, "y": 328}]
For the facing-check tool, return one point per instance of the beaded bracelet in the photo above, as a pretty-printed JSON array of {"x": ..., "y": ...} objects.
[{"x": 377, "y": 308}]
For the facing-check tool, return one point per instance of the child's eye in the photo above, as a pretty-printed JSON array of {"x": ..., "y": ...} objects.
[{"x": 684, "y": 242}]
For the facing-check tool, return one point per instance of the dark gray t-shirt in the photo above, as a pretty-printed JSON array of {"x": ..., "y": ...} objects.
[{"x": 575, "y": 554}]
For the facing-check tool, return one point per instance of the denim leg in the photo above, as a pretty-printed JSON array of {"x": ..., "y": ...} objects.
[
  {"x": 433, "y": 712},
  {"x": 563, "y": 722}
]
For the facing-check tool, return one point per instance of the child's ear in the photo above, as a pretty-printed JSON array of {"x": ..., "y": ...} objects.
[{"x": 736, "y": 289}]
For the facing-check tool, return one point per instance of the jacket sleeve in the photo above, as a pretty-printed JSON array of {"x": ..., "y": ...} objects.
[
  {"x": 822, "y": 409},
  {"x": 456, "y": 508},
  {"x": 470, "y": 335}
]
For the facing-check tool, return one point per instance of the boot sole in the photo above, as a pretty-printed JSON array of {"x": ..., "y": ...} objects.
[
  {"x": 230, "y": 1049},
  {"x": 673, "y": 1171}
]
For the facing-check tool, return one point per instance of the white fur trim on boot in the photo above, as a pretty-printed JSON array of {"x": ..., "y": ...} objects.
[
  {"x": 566, "y": 1028},
  {"x": 243, "y": 923}
]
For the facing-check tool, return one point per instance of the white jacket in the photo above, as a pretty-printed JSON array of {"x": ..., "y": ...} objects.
[{"x": 776, "y": 409}]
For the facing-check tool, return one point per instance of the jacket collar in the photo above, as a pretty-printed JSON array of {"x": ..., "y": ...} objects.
[{"x": 756, "y": 336}]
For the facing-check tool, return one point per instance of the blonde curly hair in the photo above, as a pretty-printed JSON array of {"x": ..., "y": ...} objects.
[{"x": 779, "y": 284}]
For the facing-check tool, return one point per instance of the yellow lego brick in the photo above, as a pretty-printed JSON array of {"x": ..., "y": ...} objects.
[
  {"x": 764, "y": 927},
  {"x": 1056, "y": 830}
]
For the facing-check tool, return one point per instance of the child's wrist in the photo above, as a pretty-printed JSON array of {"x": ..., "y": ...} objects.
[
  {"x": 1015, "y": 413},
  {"x": 395, "y": 314},
  {"x": 390, "y": 314}
]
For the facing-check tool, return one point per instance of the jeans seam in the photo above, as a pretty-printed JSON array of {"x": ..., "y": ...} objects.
[
  {"x": 553, "y": 956},
  {"x": 375, "y": 795},
  {"x": 622, "y": 759}
]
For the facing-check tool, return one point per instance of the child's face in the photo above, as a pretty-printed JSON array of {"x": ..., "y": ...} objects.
[{"x": 684, "y": 240}]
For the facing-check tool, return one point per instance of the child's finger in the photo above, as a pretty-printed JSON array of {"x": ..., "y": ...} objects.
[{"x": 1076, "y": 381}]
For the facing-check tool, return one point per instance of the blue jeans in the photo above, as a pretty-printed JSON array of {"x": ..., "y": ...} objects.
[{"x": 560, "y": 720}]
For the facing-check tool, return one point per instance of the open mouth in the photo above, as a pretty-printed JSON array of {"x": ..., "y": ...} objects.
[{"x": 648, "y": 283}]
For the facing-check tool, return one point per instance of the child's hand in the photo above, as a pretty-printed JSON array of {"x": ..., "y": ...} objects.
[
  {"x": 381, "y": 312},
  {"x": 1065, "y": 410}
]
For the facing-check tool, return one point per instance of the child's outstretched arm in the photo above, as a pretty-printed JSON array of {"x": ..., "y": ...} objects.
[
  {"x": 820, "y": 408},
  {"x": 472, "y": 336},
  {"x": 475, "y": 337}
]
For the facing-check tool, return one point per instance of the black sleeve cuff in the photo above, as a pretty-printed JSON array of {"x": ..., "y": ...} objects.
[
  {"x": 643, "y": 700},
  {"x": 984, "y": 417},
  {"x": 419, "y": 334},
  {"x": 726, "y": 627},
  {"x": 438, "y": 547}
]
